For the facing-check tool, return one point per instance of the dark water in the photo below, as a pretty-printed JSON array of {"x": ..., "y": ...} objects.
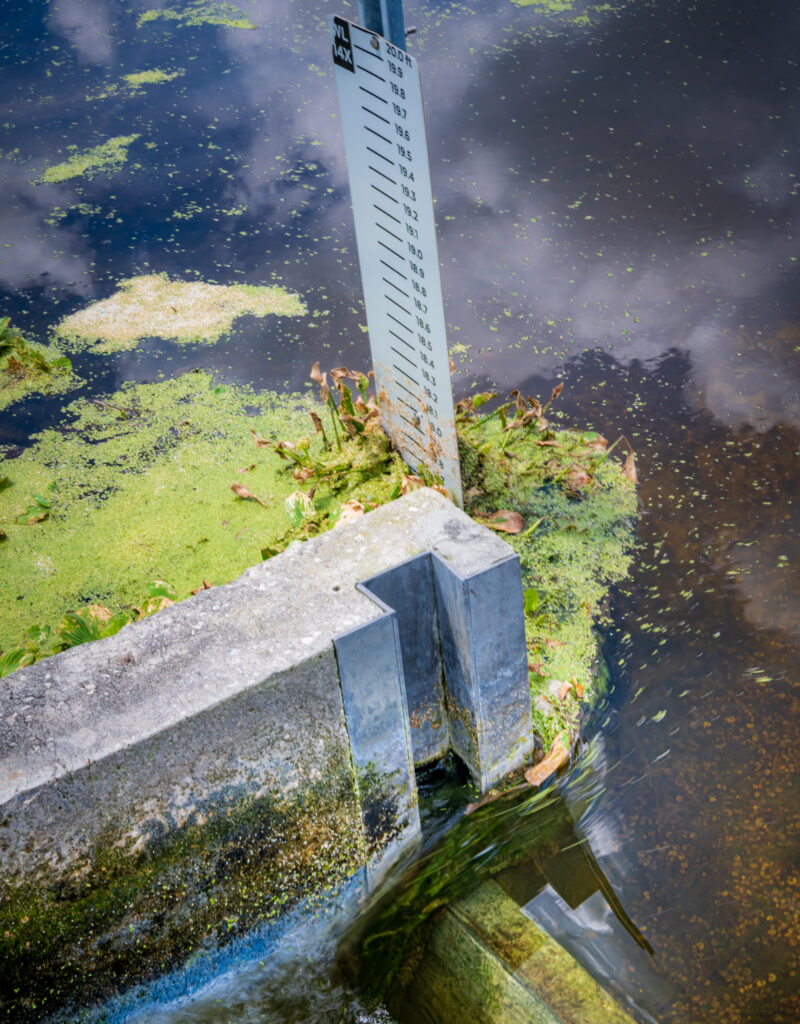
[{"x": 617, "y": 207}]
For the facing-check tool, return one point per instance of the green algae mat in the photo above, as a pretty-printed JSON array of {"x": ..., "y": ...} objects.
[{"x": 162, "y": 489}]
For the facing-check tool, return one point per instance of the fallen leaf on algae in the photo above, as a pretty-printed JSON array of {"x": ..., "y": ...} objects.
[
  {"x": 557, "y": 755},
  {"x": 504, "y": 521},
  {"x": 629, "y": 469},
  {"x": 242, "y": 492},
  {"x": 206, "y": 586},
  {"x": 351, "y": 510},
  {"x": 411, "y": 483},
  {"x": 261, "y": 442},
  {"x": 576, "y": 478}
]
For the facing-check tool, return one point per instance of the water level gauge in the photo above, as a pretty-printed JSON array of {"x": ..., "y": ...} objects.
[{"x": 380, "y": 99}]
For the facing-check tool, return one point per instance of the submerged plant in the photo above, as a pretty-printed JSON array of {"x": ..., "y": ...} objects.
[{"x": 26, "y": 367}]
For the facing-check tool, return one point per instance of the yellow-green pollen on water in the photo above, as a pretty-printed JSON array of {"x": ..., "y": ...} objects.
[
  {"x": 186, "y": 311},
  {"x": 106, "y": 158}
]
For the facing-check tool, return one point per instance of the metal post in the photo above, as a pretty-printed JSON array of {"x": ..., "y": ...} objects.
[{"x": 384, "y": 17}]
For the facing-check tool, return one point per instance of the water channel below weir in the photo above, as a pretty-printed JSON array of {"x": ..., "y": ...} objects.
[{"x": 617, "y": 206}]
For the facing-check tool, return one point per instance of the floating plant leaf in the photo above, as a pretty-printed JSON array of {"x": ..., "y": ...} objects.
[
  {"x": 531, "y": 598},
  {"x": 17, "y": 657},
  {"x": 505, "y": 521},
  {"x": 299, "y": 507},
  {"x": 160, "y": 588}
]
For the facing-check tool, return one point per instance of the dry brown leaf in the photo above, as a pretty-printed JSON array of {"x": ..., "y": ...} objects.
[
  {"x": 246, "y": 469},
  {"x": 302, "y": 473},
  {"x": 629, "y": 469},
  {"x": 536, "y": 666},
  {"x": 598, "y": 444},
  {"x": 318, "y": 429},
  {"x": 411, "y": 483},
  {"x": 505, "y": 521},
  {"x": 351, "y": 510},
  {"x": 316, "y": 374},
  {"x": 98, "y": 612},
  {"x": 452, "y": 366},
  {"x": 576, "y": 478},
  {"x": 549, "y": 444},
  {"x": 557, "y": 755},
  {"x": 206, "y": 586},
  {"x": 261, "y": 442},
  {"x": 580, "y": 689},
  {"x": 473, "y": 492},
  {"x": 557, "y": 391},
  {"x": 242, "y": 492}
]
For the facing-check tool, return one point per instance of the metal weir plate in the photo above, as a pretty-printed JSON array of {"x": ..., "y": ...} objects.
[{"x": 380, "y": 99}]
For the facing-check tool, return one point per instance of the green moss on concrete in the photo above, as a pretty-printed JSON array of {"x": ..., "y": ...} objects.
[
  {"x": 201, "y": 12},
  {"x": 185, "y": 311},
  {"x": 107, "y": 158},
  {"x": 121, "y": 917}
]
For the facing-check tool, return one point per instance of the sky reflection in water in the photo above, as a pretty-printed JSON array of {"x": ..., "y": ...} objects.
[{"x": 617, "y": 206}]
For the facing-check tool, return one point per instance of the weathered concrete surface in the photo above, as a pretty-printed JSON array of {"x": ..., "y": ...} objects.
[{"x": 196, "y": 774}]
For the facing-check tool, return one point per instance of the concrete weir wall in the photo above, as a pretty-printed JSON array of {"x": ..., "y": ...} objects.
[{"x": 204, "y": 771}]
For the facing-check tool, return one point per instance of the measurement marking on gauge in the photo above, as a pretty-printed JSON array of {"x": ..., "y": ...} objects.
[
  {"x": 369, "y": 53},
  {"x": 394, "y": 334},
  {"x": 403, "y": 356},
  {"x": 373, "y": 132},
  {"x": 392, "y": 198},
  {"x": 395, "y": 286},
  {"x": 367, "y": 71},
  {"x": 380, "y": 117},
  {"x": 388, "y": 267},
  {"x": 396, "y": 303},
  {"x": 397, "y": 254},
  {"x": 386, "y": 158},
  {"x": 388, "y": 232},
  {"x": 374, "y": 95},
  {"x": 375, "y": 169},
  {"x": 391, "y": 216},
  {"x": 405, "y": 373},
  {"x": 399, "y": 323}
]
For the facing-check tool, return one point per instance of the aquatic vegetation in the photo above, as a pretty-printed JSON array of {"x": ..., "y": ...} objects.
[
  {"x": 548, "y": 6},
  {"x": 26, "y": 367},
  {"x": 94, "y": 622},
  {"x": 201, "y": 12},
  {"x": 132, "y": 84},
  {"x": 106, "y": 158},
  {"x": 186, "y": 311},
  {"x": 138, "y": 488},
  {"x": 152, "y": 77},
  {"x": 578, "y": 510}
]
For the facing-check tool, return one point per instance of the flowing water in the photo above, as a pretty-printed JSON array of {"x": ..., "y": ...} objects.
[{"x": 617, "y": 204}]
